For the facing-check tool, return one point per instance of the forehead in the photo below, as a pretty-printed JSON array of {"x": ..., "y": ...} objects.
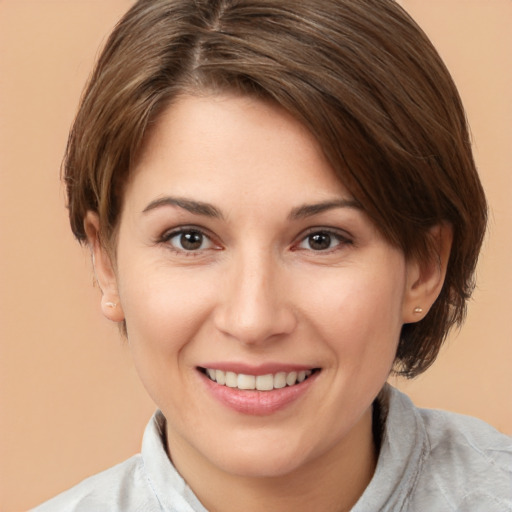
[{"x": 207, "y": 144}]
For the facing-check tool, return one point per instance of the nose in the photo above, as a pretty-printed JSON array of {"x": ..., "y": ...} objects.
[{"x": 254, "y": 304}]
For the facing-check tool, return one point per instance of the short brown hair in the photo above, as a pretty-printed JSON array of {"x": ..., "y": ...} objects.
[{"x": 359, "y": 74}]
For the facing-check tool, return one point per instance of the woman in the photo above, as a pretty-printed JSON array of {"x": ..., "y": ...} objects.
[{"x": 282, "y": 208}]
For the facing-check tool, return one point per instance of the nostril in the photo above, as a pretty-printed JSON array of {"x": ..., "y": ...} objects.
[
  {"x": 251, "y": 305},
  {"x": 257, "y": 324}
]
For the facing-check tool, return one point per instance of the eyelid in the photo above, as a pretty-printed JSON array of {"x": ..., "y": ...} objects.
[
  {"x": 341, "y": 235},
  {"x": 169, "y": 234}
]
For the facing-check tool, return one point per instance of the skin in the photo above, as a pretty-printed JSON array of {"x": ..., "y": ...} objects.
[{"x": 257, "y": 290}]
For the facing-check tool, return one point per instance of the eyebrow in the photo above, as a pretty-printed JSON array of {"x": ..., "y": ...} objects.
[
  {"x": 208, "y": 210},
  {"x": 196, "y": 207},
  {"x": 308, "y": 210}
]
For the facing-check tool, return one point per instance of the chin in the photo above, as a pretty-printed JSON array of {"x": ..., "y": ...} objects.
[
  {"x": 268, "y": 459},
  {"x": 259, "y": 467}
]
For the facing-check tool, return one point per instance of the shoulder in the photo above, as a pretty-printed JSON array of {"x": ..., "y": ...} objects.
[
  {"x": 123, "y": 487},
  {"x": 144, "y": 483},
  {"x": 467, "y": 463}
]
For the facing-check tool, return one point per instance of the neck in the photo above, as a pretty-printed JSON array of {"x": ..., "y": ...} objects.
[{"x": 332, "y": 482}]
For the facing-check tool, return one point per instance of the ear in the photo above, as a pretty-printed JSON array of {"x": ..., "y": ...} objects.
[
  {"x": 104, "y": 270},
  {"x": 425, "y": 279}
]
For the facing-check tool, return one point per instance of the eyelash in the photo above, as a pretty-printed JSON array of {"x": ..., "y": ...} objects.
[
  {"x": 332, "y": 235},
  {"x": 169, "y": 235},
  {"x": 342, "y": 239}
]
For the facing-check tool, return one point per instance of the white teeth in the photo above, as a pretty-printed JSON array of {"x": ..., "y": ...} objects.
[
  {"x": 220, "y": 377},
  {"x": 261, "y": 382},
  {"x": 291, "y": 378},
  {"x": 246, "y": 381},
  {"x": 279, "y": 380},
  {"x": 231, "y": 379},
  {"x": 265, "y": 382}
]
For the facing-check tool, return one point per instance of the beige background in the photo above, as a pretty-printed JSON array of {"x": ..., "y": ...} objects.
[{"x": 70, "y": 402}]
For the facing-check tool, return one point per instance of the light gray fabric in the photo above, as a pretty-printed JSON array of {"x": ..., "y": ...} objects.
[
  {"x": 429, "y": 461},
  {"x": 438, "y": 461}
]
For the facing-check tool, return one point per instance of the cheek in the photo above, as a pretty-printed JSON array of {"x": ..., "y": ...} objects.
[
  {"x": 164, "y": 312},
  {"x": 357, "y": 312},
  {"x": 164, "y": 301},
  {"x": 162, "y": 318}
]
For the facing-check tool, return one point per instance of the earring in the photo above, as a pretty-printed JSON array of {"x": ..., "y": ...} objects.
[
  {"x": 418, "y": 310},
  {"x": 111, "y": 305}
]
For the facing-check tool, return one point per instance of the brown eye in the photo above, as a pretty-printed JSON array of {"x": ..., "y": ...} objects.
[
  {"x": 187, "y": 240},
  {"x": 191, "y": 241},
  {"x": 319, "y": 241},
  {"x": 323, "y": 241}
]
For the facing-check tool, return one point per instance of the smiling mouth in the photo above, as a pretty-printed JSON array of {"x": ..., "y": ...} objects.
[{"x": 266, "y": 382}]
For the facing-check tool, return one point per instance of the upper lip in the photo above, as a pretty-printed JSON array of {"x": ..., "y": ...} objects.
[{"x": 258, "y": 369}]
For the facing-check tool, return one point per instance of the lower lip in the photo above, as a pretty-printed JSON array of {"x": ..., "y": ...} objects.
[{"x": 258, "y": 403}]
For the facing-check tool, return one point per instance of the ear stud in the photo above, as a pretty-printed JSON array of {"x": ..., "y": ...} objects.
[
  {"x": 417, "y": 310},
  {"x": 111, "y": 305}
]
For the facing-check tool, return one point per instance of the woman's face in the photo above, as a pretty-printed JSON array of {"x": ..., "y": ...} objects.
[{"x": 242, "y": 257}]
